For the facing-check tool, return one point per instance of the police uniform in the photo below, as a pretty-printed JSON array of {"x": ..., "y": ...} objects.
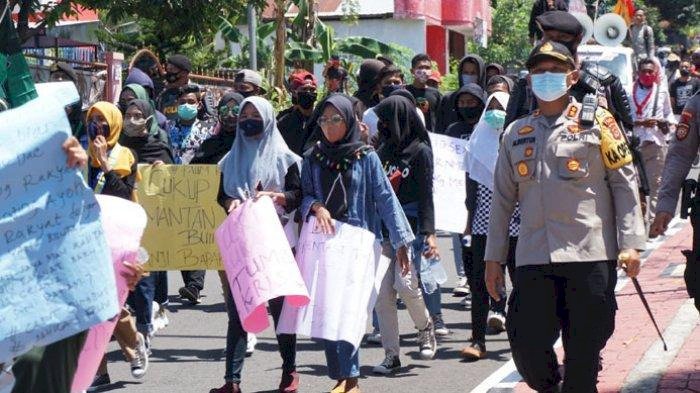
[
  {"x": 683, "y": 150},
  {"x": 579, "y": 207}
]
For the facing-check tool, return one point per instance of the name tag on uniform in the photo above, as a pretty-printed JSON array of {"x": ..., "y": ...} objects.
[{"x": 520, "y": 141}]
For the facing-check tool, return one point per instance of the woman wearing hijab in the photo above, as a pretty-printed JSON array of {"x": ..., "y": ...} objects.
[
  {"x": 259, "y": 160},
  {"x": 407, "y": 158},
  {"x": 133, "y": 91},
  {"x": 113, "y": 171},
  {"x": 342, "y": 179},
  {"x": 143, "y": 135},
  {"x": 481, "y": 164},
  {"x": 215, "y": 148}
]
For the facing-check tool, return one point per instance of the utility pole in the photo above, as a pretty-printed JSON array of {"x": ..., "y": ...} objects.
[{"x": 252, "y": 38}]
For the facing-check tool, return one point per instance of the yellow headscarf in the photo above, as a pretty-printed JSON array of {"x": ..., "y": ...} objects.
[{"x": 124, "y": 159}]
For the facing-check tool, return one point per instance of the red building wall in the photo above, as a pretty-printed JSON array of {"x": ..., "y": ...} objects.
[{"x": 436, "y": 43}]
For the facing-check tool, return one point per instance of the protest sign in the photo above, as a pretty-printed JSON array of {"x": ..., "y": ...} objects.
[
  {"x": 259, "y": 262},
  {"x": 449, "y": 183},
  {"x": 180, "y": 202},
  {"x": 343, "y": 273},
  {"x": 123, "y": 222},
  {"x": 56, "y": 275}
]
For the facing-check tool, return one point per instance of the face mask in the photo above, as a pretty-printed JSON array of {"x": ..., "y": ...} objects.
[
  {"x": 251, "y": 127},
  {"x": 549, "y": 86},
  {"x": 470, "y": 113},
  {"x": 647, "y": 79},
  {"x": 187, "y": 111},
  {"x": 495, "y": 118},
  {"x": 388, "y": 89},
  {"x": 247, "y": 94},
  {"x": 685, "y": 72},
  {"x": 135, "y": 128},
  {"x": 466, "y": 79},
  {"x": 422, "y": 75},
  {"x": 306, "y": 100},
  {"x": 94, "y": 129},
  {"x": 172, "y": 76}
]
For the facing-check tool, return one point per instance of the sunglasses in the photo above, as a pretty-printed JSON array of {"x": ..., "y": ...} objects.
[
  {"x": 228, "y": 111},
  {"x": 333, "y": 120}
]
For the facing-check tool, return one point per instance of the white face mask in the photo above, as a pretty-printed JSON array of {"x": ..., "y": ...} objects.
[
  {"x": 136, "y": 128},
  {"x": 422, "y": 75},
  {"x": 549, "y": 86}
]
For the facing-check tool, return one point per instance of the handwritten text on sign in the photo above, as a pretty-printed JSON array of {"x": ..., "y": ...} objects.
[
  {"x": 56, "y": 276},
  {"x": 259, "y": 263},
  {"x": 449, "y": 188},
  {"x": 123, "y": 222},
  {"x": 343, "y": 273},
  {"x": 180, "y": 201}
]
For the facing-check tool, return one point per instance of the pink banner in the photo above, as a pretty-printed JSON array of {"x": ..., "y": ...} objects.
[
  {"x": 123, "y": 223},
  {"x": 259, "y": 262}
]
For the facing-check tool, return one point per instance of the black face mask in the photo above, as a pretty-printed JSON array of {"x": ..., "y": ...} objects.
[
  {"x": 247, "y": 94},
  {"x": 251, "y": 127},
  {"x": 470, "y": 113},
  {"x": 685, "y": 72},
  {"x": 172, "y": 76},
  {"x": 306, "y": 99},
  {"x": 388, "y": 89}
]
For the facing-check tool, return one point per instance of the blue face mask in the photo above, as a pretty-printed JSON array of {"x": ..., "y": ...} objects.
[
  {"x": 94, "y": 129},
  {"x": 549, "y": 86},
  {"x": 251, "y": 127},
  {"x": 495, "y": 118},
  {"x": 467, "y": 79},
  {"x": 187, "y": 111}
]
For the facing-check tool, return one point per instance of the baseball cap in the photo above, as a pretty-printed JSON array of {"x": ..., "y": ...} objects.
[
  {"x": 181, "y": 62},
  {"x": 300, "y": 78},
  {"x": 252, "y": 77}
]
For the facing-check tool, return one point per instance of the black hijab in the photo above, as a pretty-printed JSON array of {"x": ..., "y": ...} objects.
[
  {"x": 212, "y": 150},
  {"x": 367, "y": 82},
  {"x": 152, "y": 147},
  {"x": 402, "y": 131},
  {"x": 336, "y": 158}
]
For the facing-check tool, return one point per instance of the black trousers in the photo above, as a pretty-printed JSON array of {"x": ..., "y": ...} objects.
[
  {"x": 194, "y": 278},
  {"x": 475, "y": 270},
  {"x": 576, "y": 298}
]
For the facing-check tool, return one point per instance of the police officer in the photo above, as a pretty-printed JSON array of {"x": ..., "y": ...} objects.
[
  {"x": 579, "y": 211},
  {"x": 562, "y": 27},
  {"x": 678, "y": 162}
]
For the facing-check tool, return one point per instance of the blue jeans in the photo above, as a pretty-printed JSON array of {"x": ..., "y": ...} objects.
[
  {"x": 457, "y": 250},
  {"x": 141, "y": 300},
  {"x": 161, "y": 287},
  {"x": 343, "y": 360}
]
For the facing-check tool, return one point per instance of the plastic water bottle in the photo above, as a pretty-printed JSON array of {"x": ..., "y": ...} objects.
[
  {"x": 432, "y": 273},
  {"x": 467, "y": 241}
]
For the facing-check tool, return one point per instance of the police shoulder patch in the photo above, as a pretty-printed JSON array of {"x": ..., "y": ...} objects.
[{"x": 682, "y": 131}]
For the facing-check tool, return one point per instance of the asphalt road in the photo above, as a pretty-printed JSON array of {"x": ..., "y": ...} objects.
[{"x": 188, "y": 356}]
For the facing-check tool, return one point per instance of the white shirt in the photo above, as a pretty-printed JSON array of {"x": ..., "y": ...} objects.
[{"x": 664, "y": 111}]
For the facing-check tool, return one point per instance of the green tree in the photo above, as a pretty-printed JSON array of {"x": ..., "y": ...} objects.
[{"x": 508, "y": 44}]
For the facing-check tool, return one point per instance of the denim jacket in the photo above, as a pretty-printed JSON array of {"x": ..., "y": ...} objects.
[{"x": 370, "y": 199}]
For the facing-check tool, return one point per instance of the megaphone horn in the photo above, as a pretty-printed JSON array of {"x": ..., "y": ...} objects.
[
  {"x": 610, "y": 30},
  {"x": 587, "y": 24}
]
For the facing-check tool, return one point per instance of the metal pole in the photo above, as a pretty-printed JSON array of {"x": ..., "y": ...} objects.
[{"x": 252, "y": 37}]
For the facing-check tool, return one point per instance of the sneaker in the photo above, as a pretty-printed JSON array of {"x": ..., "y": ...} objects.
[
  {"x": 427, "y": 343},
  {"x": 475, "y": 351},
  {"x": 374, "y": 338},
  {"x": 497, "y": 321},
  {"x": 440, "y": 328},
  {"x": 99, "y": 382},
  {"x": 462, "y": 287},
  {"x": 140, "y": 364},
  {"x": 229, "y": 387},
  {"x": 250, "y": 346},
  {"x": 289, "y": 382},
  {"x": 390, "y": 365},
  {"x": 191, "y": 294},
  {"x": 160, "y": 317}
]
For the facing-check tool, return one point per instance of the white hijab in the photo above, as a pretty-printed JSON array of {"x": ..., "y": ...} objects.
[
  {"x": 252, "y": 161},
  {"x": 484, "y": 144}
]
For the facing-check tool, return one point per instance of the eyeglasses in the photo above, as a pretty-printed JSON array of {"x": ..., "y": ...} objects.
[
  {"x": 334, "y": 120},
  {"x": 228, "y": 111}
]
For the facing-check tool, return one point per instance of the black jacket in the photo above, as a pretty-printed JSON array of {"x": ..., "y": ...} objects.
[{"x": 447, "y": 113}]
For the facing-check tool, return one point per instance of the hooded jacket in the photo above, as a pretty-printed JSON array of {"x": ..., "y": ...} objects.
[
  {"x": 461, "y": 128},
  {"x": 447, "y": 113}
]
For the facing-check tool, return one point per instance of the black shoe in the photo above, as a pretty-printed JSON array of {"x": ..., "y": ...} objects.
[
  {"x": 191, "y": 294},
  {"x": 99, "y": 381}
]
